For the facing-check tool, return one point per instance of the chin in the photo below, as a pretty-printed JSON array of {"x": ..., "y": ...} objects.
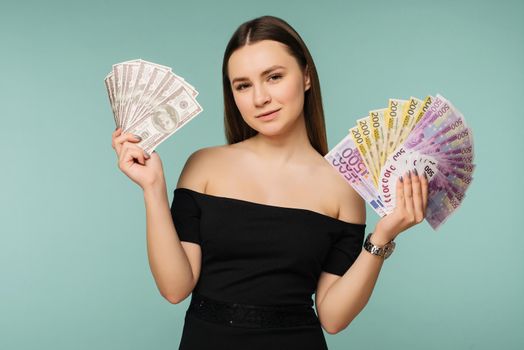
[
  {"x": 274, "y": 129},
  {"x": 270, "y": 133}
]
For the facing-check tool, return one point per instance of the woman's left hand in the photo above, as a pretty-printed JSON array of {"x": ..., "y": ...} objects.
[{"x": 410, "y": 207}]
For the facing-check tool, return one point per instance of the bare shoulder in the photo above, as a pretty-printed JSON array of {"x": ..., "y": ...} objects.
[
  {"x": 199, "y": 165},
  {"x": 352, "y": 208}
]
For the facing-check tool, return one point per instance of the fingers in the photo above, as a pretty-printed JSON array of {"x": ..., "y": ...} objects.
[
  {"x": 400, "y": 203},
  {"x": 126, "y": 149},
  {"x": 115, "y": 133},
  {"x": 129, "y": 152},
  {"x": 118, "y": 139},
  {"x": 411, "y": 200},
  {"x": 408, "y": 195},
  {"x": 424, "y": 187},
  {"x": 417, "y": 196}
]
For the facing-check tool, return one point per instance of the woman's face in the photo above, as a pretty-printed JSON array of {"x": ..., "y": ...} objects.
[{"x": 265, "y": 78}]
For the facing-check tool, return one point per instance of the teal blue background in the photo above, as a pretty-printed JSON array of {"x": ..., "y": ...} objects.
[{"x": 73, "y": 262}]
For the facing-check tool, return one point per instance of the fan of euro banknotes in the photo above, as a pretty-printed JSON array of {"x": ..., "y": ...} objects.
[
  {"x": 428, "y": 135},
  {"x": 149, "y": 100}
]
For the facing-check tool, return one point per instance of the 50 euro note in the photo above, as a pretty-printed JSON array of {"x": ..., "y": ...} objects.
[{"x": 346, "y": 160}]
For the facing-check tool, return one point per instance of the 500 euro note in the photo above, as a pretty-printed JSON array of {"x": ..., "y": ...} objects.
[{"x": 348, "y": 163}]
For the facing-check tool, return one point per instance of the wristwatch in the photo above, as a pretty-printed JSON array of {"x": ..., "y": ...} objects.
[{"x": 384, "y": 251}]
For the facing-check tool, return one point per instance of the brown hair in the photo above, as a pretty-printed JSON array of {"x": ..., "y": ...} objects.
[{"x": 273, "y": 28}]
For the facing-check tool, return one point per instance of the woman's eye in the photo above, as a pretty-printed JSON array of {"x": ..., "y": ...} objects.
[
  {"x": 241, "y": 87},
  {"x": 273, "y": 77}
]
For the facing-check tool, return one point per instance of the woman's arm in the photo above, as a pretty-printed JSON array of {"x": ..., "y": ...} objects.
[
  {"x": 350, "y": 293},
  {"x": 168, "y": 261},
  {"x": 175, "y": 265},
  {"x": 347, "y": 295}
]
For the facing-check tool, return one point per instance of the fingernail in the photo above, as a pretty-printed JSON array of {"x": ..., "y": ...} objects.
[
  {"x": 425, "y": 175},
  {"x": 409, "y": 173},
  {"x": 137, "y": 137},
  {"x": 146, "y": 155},
  {"x": 401, "y": 179},
  {"x": 415, "y": 172}
]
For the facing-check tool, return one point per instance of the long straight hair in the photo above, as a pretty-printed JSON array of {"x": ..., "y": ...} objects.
[{"x": 274, "y": 28}]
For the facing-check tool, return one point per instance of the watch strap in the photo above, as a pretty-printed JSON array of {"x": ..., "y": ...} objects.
[{"x": 384, "y": 251}]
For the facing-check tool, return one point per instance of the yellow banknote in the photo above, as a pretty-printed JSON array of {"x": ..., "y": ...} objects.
[
  {"x": 378, "y": 130},
  {"x": 359, "y": 141},
  {"x": 407, "y": 120},
  {"x": 391, "y": 117}
]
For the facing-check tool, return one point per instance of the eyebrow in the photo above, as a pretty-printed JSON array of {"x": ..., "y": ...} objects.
[{"x": 272, "y": 68}]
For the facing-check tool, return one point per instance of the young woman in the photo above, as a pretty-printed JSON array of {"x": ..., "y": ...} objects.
[{"x": 257, "y": 226}]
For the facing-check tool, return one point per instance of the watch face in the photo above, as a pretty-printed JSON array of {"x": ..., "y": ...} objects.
[{"x": 388, "y": 249}]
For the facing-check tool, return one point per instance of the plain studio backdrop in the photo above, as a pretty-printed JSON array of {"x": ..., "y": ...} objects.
[{"x": 73, "y": 261}]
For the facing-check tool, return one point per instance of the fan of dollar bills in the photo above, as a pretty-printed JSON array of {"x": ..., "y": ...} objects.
[
  {"x": 149, "y": 100},
  {"x": 428, "y": 135}
]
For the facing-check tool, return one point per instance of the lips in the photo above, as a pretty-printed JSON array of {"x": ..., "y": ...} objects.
[{"x": 263, "y": 114}]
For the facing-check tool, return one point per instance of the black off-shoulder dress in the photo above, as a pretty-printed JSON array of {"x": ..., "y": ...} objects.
[{"x": 262, "y": 255}]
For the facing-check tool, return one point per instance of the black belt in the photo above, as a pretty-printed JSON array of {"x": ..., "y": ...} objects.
[{"x": 251, "y": 316}]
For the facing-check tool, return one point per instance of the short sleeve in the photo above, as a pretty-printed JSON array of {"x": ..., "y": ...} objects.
[
  {"x": 186, "y": 216},
  {"x": 346, "y": 248}
]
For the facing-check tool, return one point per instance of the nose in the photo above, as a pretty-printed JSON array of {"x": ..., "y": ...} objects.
[{"x": 260, "y": 95}]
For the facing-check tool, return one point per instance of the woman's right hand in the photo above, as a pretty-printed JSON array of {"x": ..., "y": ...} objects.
[{"x": 146, "y": 171}]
